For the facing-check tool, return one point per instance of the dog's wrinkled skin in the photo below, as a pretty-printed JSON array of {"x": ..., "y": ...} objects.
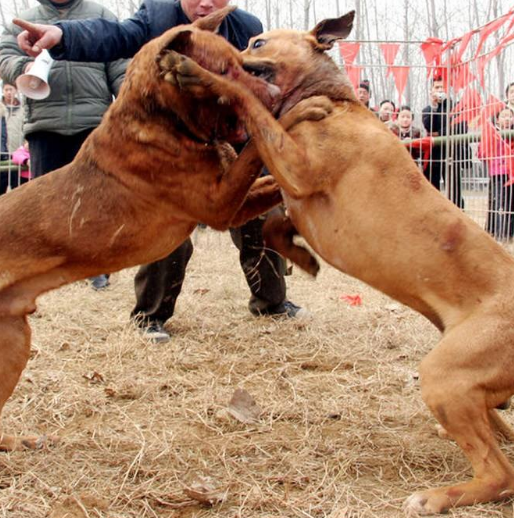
[
  {"x": 155, "y": 167},
  {"x": 354, "y": 193}
]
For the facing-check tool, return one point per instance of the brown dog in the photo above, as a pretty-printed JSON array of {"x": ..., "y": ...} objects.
[
  {"x": 354, "y": 193},
  {"x": 153, "y": 169}
]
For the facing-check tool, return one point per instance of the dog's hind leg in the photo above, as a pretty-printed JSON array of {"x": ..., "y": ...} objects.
[
  {"x": 503, "y": 430},
  {"x": 278, "y": 232},
  {"x": 462, "y": 380},
  {"x": 14, "y": 353}
]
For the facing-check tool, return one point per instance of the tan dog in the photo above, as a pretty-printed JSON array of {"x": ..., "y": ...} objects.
[
  {"x": 153, "y": 169},
  {"x": 354, "y": 193}
]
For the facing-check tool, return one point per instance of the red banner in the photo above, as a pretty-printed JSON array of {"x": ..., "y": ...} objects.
[
  {"x": 349, "y": 51},
  {"x": 389, "y": 50},
  {"x": 492, "y": 107},
  {"x": 463, "y": 45},
  {"x": 481, "y": 63},
  {"x": 468, "y": 108},
  {"x": 461, "y": 77},
  {"x": 489, "y": 29},
  {"x": 431, "y": 49},
  {"x": 401, "y": 76},
  {"x": 354, "y": 74}
]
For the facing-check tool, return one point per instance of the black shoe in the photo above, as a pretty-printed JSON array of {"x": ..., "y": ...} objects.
[
  {"x": 286, "y": 309},
  {"x": 155, "y": 332},
  {"x": 100, "y": 282}
]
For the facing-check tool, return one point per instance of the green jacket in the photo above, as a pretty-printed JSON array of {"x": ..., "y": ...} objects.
[{"x": 80, "y": 92}]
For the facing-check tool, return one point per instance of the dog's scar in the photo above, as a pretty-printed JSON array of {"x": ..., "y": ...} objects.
[
  {"x": 75, "y": 207},
  {"x": 115, "y": 235}
]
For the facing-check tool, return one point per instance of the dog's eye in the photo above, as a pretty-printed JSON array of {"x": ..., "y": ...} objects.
[{"x": 258, "y": 43}]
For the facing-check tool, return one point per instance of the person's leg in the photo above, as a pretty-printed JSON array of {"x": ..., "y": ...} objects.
[
  {"x": 9, "y": 179},
  {"x": 509, "y": 200},
  {"x": 157, "y": 287},
  {"x": 503, "y": 204},
  {"x": 50, "y": 151},
  {"x": 497, "y": 206},
  {"x": 491, "y": 204},
  {"x": 264, "y": 270},
  {"x": 432, "y": 171},
  {"x": 454, "y": 186}
]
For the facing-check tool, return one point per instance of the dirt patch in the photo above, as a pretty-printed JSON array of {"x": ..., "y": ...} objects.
[{"x": 341, "y": 433}]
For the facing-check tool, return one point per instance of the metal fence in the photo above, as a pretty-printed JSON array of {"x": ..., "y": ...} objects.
[{"x": 464, "y": 144}]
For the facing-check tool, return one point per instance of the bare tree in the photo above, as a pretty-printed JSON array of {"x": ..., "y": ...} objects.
[
  {"x": 306, "y": 14},
  {"x": 432, "y": 15}
]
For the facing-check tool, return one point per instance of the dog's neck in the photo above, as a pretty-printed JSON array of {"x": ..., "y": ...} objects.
[{"x": 326, "y": 79}]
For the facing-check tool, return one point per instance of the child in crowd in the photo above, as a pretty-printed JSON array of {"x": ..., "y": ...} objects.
[
  {"x": 21, "y": 157},
  {"x": 500, "y": 220},
  {"x": 404, "y": 128},
  {"x": 11, "y": 176}
]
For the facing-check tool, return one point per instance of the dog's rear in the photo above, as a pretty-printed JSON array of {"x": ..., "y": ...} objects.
[{"x": 354, "y": 193}]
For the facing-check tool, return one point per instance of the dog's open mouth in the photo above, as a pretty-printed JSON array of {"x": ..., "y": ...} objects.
[{"x": 263, "y": 69}]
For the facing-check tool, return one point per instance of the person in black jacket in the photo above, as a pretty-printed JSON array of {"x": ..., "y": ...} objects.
[
  {"x": 158, "y": 285},
  {"x": 438, "y": 124}
]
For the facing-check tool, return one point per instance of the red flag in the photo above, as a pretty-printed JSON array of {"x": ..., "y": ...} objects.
[
  {"x": 431, "y": 49},
  {"x": 401, "y": 76},
  {"x": 489, "y": 29},
  {"x": 425, "y": 145},
  {"x": 461, "y": 77},
  {"x": 511, "y": 24},
  {"x": 490, "y": 140},
  {"x": 463, "y": 45},
  {"x": 492, "y": 107},
  {"x": 349, "y": 51},
  {"x": 481, "y": 63},
  {"x": 506, "y": 39},
  {"x": 389, "y": 50},
  {"x": 468, "y": 108},
  {"x": 354, "y": 74}
]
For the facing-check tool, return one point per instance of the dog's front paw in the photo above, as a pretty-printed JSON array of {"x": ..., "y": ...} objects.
[
  {"x": 167, "y": 60},
  {"x": 185, "y": 73},
  {"x": 311, "y": 109}
]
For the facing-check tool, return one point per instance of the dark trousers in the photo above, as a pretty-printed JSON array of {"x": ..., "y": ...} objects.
[
  {"x": 10, "y": 178},
  {"x": 50, "y": 151},
  {"x": 158, "y": 284},
  {"x": 435, "y": 171},
  {"x": 500, "y": 220}
]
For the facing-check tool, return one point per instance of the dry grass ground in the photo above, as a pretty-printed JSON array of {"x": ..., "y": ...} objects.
[{"x": 343, "y": 431}]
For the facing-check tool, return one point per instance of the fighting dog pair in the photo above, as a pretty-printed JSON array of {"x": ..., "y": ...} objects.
[{"x": 352, "y": 191}]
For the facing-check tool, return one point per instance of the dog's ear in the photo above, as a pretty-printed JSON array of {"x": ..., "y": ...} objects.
[
  {"x": 181, "y": 41},
  {"x": 214, "y": 20},
  {"x": 327, "y": 32}
]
